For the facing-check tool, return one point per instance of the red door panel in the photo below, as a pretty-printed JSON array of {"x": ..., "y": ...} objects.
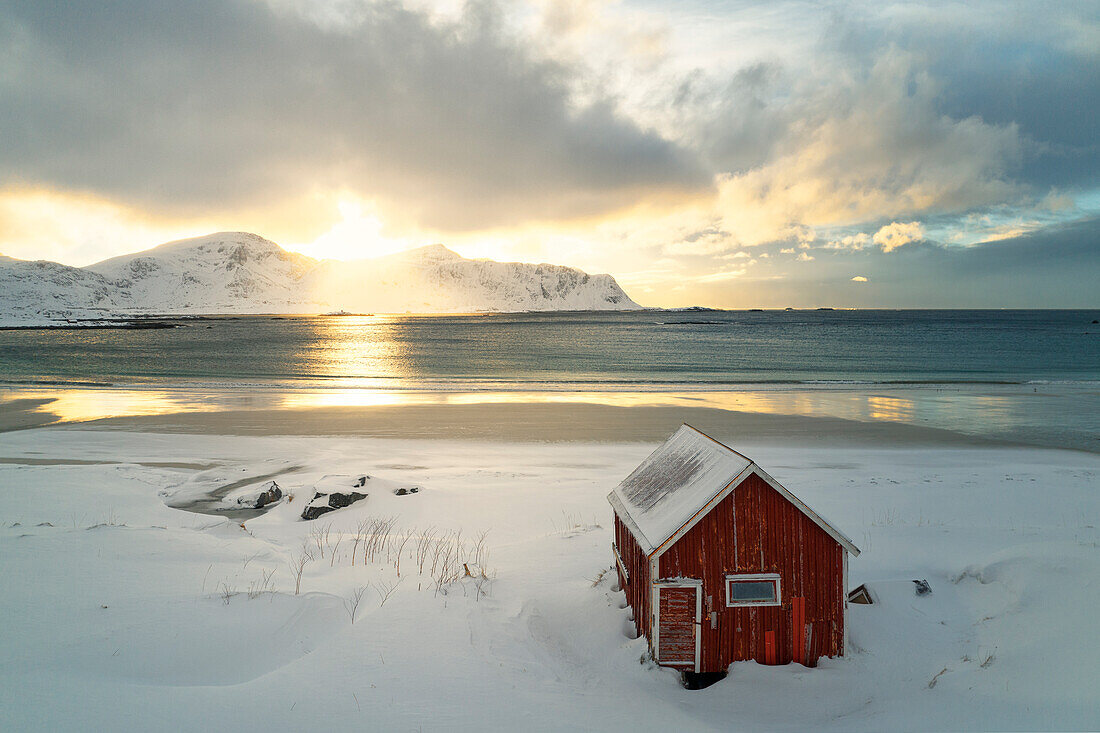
[{"x": 677, "y": 627}]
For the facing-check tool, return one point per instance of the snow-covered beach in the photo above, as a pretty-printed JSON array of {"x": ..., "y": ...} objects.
[{"x": 124, "y": 613}]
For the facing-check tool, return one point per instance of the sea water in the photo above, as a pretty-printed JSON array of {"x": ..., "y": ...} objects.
[{"x": 990, "y": 365}]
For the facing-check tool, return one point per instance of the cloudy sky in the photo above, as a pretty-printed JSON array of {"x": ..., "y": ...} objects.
[{"x": 726, "y": 153}]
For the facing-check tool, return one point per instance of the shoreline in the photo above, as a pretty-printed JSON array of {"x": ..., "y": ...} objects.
[
  {"x": 503, "y": 422},
  {"x": 1047, "y": 415},
  {"x": 551, "y": 386},
  {"x": 536, "y": 423}
]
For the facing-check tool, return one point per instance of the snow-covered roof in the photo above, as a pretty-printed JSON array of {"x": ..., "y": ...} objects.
[
  {"x": 674, "y": 482},
  {"x": 681, "y": 477}
]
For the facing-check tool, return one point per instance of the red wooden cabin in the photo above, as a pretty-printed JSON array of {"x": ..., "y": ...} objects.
[{"x": 721, "y": 563}]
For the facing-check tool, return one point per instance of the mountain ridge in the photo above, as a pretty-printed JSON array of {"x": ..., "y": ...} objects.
[{"x": 242, "y": 273}]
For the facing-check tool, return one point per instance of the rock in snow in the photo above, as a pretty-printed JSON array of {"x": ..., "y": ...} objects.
[
  {"x": 325, "y": 503},
  {"x": 331, "y": 493},
  {"x": 269, "y": 493},
  {"x": 240, "y": 273}
]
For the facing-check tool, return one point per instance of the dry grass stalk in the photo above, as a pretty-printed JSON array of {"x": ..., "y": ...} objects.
[{"x": 351, "y": 605}]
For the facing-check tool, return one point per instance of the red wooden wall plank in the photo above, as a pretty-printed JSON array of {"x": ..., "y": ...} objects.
[
  {"x": 798, "y": 629},
  {"x": 637, "y": 587}
]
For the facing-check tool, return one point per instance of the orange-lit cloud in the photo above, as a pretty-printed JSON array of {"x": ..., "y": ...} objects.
[
  {"x": 897, "y": 234},
  {"x": 79, "y": 229}
]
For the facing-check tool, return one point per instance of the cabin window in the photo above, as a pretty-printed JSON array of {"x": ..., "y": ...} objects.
[{"x": 756, "y": 589}]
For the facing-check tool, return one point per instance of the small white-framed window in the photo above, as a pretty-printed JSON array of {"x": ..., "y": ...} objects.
[{"x": 753, "y": 589}]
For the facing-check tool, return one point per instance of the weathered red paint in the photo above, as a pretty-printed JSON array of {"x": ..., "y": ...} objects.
[
  {"x": 798, "y": 629},
  {"x": 754, "y": 529},
  {"x": 769, "y": 647},
  {"x": 637, "y": 588}
]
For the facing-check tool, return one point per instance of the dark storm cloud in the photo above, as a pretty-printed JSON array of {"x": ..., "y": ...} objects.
[
  {"x": 907, "y": 110},
  {"x": 1032, "y": 65},
  {"x": 207, "y": 104},
  {"x": 1051, "y": 106},
  {"x": 852, "y": 137}
]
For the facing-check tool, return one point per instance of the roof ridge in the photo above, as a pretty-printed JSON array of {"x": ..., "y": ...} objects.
[{"x": 719, "y": 443}]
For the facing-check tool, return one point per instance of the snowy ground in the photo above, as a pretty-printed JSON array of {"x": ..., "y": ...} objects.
[{"x": 121, "y": 613}]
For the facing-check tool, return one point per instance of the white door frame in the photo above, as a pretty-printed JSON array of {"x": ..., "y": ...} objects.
[{"x": 678, "y": 583}]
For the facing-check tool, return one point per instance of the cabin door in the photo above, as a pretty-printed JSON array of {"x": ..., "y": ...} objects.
[{"x": 679, "y": 616}]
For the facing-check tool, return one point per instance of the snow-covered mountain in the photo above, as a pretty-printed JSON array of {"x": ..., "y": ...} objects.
[
  {"x": 42, "y": 291},
  {"x": 436, "y": 280},
  {"x": 237, "y": 272},
  {"x": 228, "y": 272}
]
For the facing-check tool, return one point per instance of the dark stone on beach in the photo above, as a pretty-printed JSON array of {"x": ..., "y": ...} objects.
[
  {"x": 312, "y": 512},
  {"x": 149, "y": 325},
  {"x": 267, "y": 497},
  {"x": 339, "y": 501},
  {"x": 405, "y": 492},
  {"x": 335, "y": 501},
  {"x": 270, "y": 496}
]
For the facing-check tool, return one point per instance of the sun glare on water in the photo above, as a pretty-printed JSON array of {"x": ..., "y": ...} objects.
[{"x": 362, "y": 351}]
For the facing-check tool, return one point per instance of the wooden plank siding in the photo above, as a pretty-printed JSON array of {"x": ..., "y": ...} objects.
[
  {"x": 637, "y": 587},
  {"x": 755, "y": 529}
]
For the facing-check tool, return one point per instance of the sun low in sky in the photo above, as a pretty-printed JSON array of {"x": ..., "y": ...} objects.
[{"x": 730, "y": 154}]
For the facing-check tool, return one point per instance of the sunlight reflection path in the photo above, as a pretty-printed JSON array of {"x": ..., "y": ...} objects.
[{"x": 952, "y": 408}]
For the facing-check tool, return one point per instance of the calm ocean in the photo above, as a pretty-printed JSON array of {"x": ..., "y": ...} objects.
[
  {"x": 999, "y": 355},
  {"x": 692, "y": 348}
]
